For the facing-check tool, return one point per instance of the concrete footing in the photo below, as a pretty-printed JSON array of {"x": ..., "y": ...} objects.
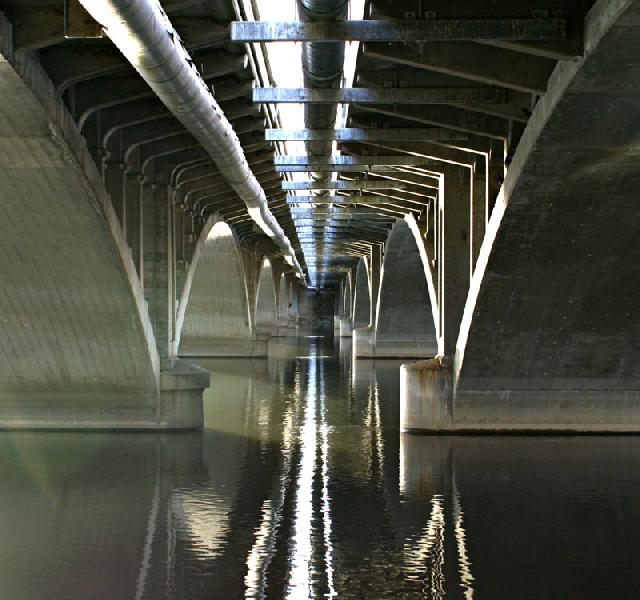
[
  {"x": 426, "y": 395},
  {"x": 178, "y": 406},
  {"x": 430, "y": 404},
  {"x": 346, "y": 328}
]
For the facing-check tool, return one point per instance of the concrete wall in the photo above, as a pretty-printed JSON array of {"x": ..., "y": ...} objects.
[{"x": 214, "y": 307}]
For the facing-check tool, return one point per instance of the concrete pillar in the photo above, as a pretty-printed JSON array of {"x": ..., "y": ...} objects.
[
  {"x": 189, "y": 232},
  {"x": 479, "y": 207},
  {"x": 113, "y": 177},
  {"x": 426, "y": 387},
  {"x": 163, "y": 293},
  {"x": 496, "y": 173},
  {"x": 454, "y": 265},
  {"x": 159, "y": 259},
  {"x": 426, "y": 395},
  {"x": 134, "y": 218}
]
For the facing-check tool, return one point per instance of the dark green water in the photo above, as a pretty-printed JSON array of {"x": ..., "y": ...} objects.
[{"x": 302, "y": 487}]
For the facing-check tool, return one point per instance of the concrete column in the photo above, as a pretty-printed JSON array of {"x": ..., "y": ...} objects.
[
  {"x": 159, "y": 259},
  {"x": 134, "y": 218},
  {"x": 189, "y": 235},
  {"x": 426, "y": 387},
  {"x": 179, "y": 224},
  {"x": 164, "y": 293},
  {"x": 454, "y": 254},
  {"x": 496, "y": 173},
  {"x": 113, "y": 177},
  {"x": 479, "y": 207}
]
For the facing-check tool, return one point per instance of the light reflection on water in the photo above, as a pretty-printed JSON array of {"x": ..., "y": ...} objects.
[{"x": 302, "y": 487}]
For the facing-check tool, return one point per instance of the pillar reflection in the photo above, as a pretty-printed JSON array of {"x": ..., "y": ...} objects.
[{"x": 428, "y": 474}]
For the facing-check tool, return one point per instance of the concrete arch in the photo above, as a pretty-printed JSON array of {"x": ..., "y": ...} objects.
[
  {"x": 213, "y": 314},
  {"x": 549, "y": 336},
  {"x": 347, "y": 297},
  {"x": 342, "y": 324},
  {"x": 405, "y": 324},
  {"x": 362, "y": 296},
  {"x": 77, "y": 347},
  {"x": 266, "y": 315}
]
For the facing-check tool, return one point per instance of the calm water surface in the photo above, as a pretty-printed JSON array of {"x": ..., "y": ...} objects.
[{"x": 302, "y": 487}]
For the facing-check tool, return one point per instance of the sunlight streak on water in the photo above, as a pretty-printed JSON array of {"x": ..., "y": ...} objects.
[{"x": 299, "y": 584}]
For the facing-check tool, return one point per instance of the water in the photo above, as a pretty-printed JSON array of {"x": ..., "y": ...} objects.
[{"x": 302, "y": 487}]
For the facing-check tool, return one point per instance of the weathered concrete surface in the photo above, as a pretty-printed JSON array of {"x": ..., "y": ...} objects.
[
  {"x": 213, "y": 315},
  {"x": 549, "y": 338},
  {"x": 405, "y": 324},
  {"x": 78, "y": 348}
]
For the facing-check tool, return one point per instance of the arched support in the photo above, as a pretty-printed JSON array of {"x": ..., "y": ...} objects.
[
  {"x": 362, "y": 297},
  {"x": 78, "y": 346},
  {"x": 345, "y": 325},
  {"x": 549, "y": 334},
  {"x": 405, "y": 324},
  {"x": 213, "y": 313},
  {"x": 265, "y": 309}
]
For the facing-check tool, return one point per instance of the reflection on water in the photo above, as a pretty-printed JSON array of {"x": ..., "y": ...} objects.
[{"x": 302, "y": 487}]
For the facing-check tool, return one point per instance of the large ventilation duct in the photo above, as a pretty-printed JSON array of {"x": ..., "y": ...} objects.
[
  {"x": 322, "y": 63},
  {"x": 143, "y": 33}
]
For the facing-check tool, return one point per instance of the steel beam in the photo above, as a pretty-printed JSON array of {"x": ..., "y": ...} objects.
[
  {"x": 342, "y": 185},
  {"x": 333, "y": 199},
  {"x": 431, "y": 30},
  {"x": 346, "y": 214},
  {"x": 330, "y": 161},
  {"x": 442, "y": 95},
  {"x": 334, "y": 168},
  {"x": 360, "y": 134}
]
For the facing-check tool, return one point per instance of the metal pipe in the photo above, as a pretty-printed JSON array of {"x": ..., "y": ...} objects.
[
  {"x": 322, "y": 64},
  {"x": 141, "y": 30}
]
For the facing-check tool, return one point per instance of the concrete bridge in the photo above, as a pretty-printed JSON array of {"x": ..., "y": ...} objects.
[{"x": 480, "y": 216}]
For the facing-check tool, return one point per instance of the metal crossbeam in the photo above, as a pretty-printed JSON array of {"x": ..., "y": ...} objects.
[
  {"x": 466, "y": 95},
  {"x": 359, "y": 134},
  {"x": 334, "y": 200},
  {"x": 404, "y": 160},
  {"x": 338, "y": 214},
  {"x": 432, "y": 30},
  {"x": 342, "y": 185},
  {"x": 334, "y": 168}
]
